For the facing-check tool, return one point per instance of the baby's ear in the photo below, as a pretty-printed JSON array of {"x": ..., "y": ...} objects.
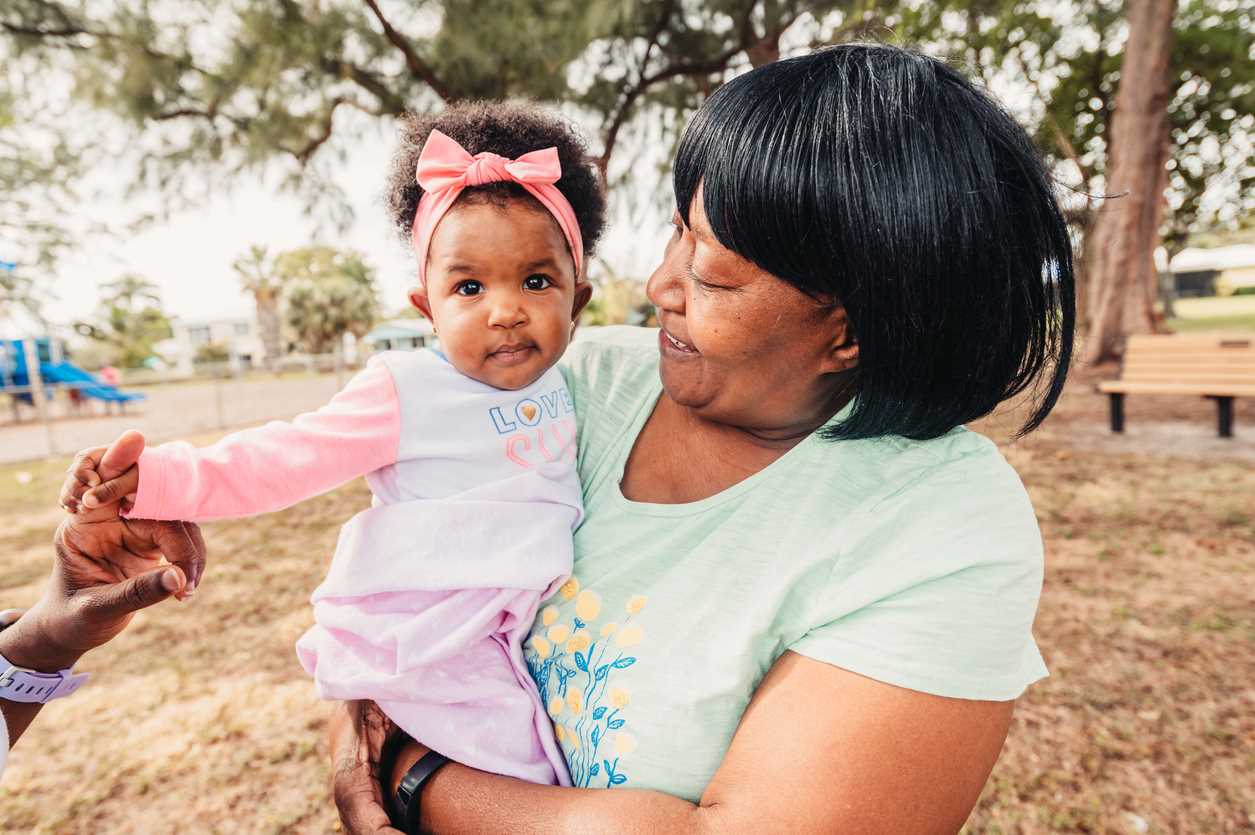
[
  {"x": 583, "y": 295},
  {"x": 418, "y": 298}
]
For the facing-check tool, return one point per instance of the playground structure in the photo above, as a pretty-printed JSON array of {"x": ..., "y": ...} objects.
[{"x": 45, "y": 357}]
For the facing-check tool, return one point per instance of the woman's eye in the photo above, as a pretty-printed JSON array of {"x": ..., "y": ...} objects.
[
  {"x": 537, "y": 282},
  {"x": 469, "y": 288}
]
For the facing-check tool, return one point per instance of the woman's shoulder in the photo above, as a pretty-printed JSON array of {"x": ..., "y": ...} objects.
[{"x": 935, "y": 577}]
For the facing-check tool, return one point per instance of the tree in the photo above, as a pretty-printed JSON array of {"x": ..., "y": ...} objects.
[
  {"x": 1121, "y": 279},
  {"x": 274, "y": 80},
  {"x": 132, "y": 323},
  {"x": 329, "y": 293},
  {"x": 257, "y": 274},
  {"x": 1069, "y": 57}
]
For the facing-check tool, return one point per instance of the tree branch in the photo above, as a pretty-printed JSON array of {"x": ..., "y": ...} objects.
[
  {"x": 417, "y": 66},
  {"x": 389, "y": 102}
]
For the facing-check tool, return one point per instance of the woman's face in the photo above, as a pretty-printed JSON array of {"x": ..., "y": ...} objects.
[{"x": 739, "y": 345}]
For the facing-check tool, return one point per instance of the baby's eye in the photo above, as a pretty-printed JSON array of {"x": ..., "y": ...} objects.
[
  {"x": 537, "y": 282},
  {"x": 469, "y": 288}
]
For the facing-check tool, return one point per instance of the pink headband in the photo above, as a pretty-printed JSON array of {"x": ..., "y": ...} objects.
[{"x": 445, "y": 169}]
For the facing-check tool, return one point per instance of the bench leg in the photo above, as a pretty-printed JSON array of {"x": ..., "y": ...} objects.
[
  {"x": 1117, "y": 411},
  {"x": 1224, "y": 413}
]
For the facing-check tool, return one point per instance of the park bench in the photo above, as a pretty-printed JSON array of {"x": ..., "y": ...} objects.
[{"x": 1221, "y": 367}]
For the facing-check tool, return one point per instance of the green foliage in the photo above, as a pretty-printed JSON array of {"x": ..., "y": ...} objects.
[
  {"x": 131, "y": 324},
  {"x": 328, "y": 293},
  {"x": 1070, "y": 58},
  {"x": 219, "y": 91},
  {"x": 211, "y": 353}
]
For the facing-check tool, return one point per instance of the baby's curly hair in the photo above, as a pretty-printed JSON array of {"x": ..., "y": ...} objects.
[{"x": 510, "y": 129}]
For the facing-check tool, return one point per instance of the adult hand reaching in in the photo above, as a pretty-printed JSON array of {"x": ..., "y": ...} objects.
[{"x": 106, "y": 568}]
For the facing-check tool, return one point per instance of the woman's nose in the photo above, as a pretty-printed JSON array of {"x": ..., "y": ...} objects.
[{"x": 665, "y": 288}]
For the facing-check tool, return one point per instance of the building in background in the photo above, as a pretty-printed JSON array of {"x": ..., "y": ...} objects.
[
  {"x": 1222, "y": 271},
  {"x": 400, "y": 335},
  {"x": 234, "y": 340}
]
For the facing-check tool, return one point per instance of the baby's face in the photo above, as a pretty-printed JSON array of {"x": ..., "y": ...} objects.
[{"x": 501, "y": 291}]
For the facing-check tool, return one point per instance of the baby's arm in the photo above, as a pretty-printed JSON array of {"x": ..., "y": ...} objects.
[{"x": 269, "y": 467}]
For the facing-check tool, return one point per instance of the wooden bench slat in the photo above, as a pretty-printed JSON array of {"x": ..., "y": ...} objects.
[{"x": 1221, "y": 390}]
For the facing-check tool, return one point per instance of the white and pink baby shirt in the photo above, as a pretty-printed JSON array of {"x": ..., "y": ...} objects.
[{"x": 432, "y": 590}]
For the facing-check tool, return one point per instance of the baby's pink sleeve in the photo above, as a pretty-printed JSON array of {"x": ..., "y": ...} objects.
[{"x": 277, "y": 465}]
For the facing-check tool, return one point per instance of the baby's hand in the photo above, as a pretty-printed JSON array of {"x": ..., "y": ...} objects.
[
  {"x": 108, "y": 546},
  {"x": 94, "y": 481}
]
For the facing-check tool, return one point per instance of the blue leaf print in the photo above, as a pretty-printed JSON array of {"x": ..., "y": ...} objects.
[
  {"x": 617, "y": 779},
  {"x": 601, "y": 672},
  {"x": 594, "y": 770},
  {"x": 614, "y": 724},
  {"x": 609, "y": 767},
  {"x": 598, "y": 713},
  {"x": 623, "y": 663},
  {"x": 596, "y": 735},
  {"x": 579, "y": 624},
  {"x": 581, "y": 662}
]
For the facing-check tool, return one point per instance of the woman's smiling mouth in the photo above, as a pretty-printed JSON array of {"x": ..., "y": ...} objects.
[{"x": 669, "y": 342}]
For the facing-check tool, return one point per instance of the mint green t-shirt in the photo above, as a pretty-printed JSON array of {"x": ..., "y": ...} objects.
[{"x": 916, "y": 563}]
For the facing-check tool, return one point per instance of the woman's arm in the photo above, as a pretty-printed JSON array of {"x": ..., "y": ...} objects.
[{"x": 819, "y": 749}]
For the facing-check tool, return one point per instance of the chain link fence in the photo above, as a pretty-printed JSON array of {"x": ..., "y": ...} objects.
[{"x": 46, "y": 418}]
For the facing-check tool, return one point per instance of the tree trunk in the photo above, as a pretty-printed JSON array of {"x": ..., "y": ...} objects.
[
  {"x": 1122, "y": 240},
  {"x": 270, "y": 324}
]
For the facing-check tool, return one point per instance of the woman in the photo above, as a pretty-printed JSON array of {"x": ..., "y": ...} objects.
[{"x": 803, "y": 593}]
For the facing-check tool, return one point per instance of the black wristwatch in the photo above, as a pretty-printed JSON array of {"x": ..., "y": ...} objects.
[{"x": 404, "y": 808}]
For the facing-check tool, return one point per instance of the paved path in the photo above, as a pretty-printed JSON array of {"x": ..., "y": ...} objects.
[{"x": 171, "y": 411}]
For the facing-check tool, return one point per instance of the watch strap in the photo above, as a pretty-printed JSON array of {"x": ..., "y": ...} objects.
[
  {"x": 406, "y": 809},
  {"x": 19, "y": 684}
]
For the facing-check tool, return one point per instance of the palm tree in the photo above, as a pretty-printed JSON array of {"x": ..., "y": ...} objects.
[
  {"x": 258, "y": 276},
  {"x": 130, "y": 292}
]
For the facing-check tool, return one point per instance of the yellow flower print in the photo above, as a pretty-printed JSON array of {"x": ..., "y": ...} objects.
[
  {"x": 541, "y": 646},
  {"x": 629, "y": 636},
  {"x": 559, "y": 731},
  {"x": 620, "y": 697},
  {"x": 588, "y": 607},
  {"x": 569, "y": 589},
  {"x": 549, "y": 615},
  {"x": 635, "y": 603},
  {"x": 608, "y": 629},
  {"x": 555, "y": 706},
  {"x": 578, "y": 643},
  {"x": 573, "y": 740},
  {"x": 559, "y": 632},
  {"x": 624, "y": 744},
  {"x": 575, "y": 701}
]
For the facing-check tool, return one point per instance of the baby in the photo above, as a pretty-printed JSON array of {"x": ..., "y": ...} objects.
[{"x": 469, "y": 451}]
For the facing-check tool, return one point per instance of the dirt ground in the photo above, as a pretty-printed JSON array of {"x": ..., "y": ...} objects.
[{"x": 199, "y": 719}]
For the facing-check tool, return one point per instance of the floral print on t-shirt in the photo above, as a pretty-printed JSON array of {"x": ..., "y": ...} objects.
[{"x": 575, "y": 661}]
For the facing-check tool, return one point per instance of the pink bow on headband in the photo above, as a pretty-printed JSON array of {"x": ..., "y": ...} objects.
[{"x": 445, "y": 169}]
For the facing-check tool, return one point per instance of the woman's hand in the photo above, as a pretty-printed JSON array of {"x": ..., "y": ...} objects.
[
  {"x": 357, "y": 733},
  {"x": 120, "y": 547}
]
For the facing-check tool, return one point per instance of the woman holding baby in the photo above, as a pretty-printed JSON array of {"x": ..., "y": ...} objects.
[{"x": 802, "y": 592}]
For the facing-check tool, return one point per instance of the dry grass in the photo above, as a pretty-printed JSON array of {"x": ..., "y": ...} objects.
[{"x": 201, "y": 721}]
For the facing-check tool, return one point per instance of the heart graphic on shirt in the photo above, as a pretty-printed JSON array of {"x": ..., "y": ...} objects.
[{"x": 529, "y": 411}]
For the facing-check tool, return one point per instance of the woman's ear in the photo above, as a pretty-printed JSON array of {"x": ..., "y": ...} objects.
[{"x": 842, "y": 353}]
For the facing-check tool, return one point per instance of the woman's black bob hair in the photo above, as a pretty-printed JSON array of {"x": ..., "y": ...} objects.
[{"x": 884, "y": 181}]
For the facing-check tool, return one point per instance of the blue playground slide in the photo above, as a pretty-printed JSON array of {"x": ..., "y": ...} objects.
[
  {"x": 15, "y": 375},
  {"x": 68, "y": 372}
]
